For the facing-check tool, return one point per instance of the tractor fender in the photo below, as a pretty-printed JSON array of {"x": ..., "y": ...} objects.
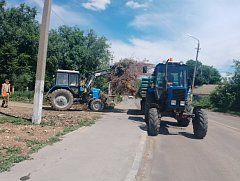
[{"x": 58, "y": 87}]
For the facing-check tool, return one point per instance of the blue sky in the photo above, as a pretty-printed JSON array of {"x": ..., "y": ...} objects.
[{"x": 156, "y": 29}]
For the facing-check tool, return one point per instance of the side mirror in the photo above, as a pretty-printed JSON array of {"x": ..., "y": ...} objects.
[{"x": 145, "y": 69}]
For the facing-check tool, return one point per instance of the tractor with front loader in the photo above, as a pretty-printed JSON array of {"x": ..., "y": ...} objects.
[
  {"x": 168, "y": 93},
  {"x": 73, "y": 87}
]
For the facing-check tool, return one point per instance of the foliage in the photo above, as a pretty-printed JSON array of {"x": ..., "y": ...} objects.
[
  {"x": 69, "y": 48},
  {"x": 205, "y": 74},
  {"x": 19, "y": 34},
  {"x": 22, "y": 96},
  {"x": 227, "y": 96},
  {"x": 203, "y": 103}
]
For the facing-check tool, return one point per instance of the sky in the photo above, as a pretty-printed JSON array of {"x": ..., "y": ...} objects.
[{"x": 156, "y": 30}]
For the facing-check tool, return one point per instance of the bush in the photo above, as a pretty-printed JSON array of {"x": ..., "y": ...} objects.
[
  {"x": 203, "y": 102},
  {"x": 223, "y": 97},
  {"x": 22, "y": 96}
]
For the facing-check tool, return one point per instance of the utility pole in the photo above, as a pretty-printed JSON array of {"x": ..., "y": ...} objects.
[
  {"x": 196, "y": 62},
  {"x": 41, "y": 63}
]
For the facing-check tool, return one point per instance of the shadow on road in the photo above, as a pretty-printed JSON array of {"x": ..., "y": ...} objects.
[
  {"x": 134, "y": 112},
  {"x": 164, "y": 128},
  {"x": 135, "y": 118},
  {"x": 188, "y": 135}
]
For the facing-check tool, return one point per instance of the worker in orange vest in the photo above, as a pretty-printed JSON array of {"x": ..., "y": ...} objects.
[{"x": 6, "y": 93}]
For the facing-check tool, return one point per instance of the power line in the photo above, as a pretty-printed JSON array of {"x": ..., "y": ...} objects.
[{"x": 56, "y": 14}]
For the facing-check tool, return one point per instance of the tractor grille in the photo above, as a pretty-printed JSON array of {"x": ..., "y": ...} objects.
[{"x": 179, "y": 94}]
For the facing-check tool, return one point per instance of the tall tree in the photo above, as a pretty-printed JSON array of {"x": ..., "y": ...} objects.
[
  {"x": 19, "y": 34},
  {"x": 70, "y": 48},
  {"x": 205, "y": 74}
]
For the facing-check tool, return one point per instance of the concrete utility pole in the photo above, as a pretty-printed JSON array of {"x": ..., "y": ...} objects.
[
  {"x": 195, "y": 68},
  {"x": 41, "y": 63}
]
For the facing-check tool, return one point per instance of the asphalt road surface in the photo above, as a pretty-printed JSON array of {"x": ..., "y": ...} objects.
[
  {"x": 175, "y": 155},
  {"x": 117, "y": 148}
]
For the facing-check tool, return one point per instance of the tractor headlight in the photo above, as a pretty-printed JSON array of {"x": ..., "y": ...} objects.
[
  {"x": 173, "y": 102},
  {"x": 182, "y": 103}
]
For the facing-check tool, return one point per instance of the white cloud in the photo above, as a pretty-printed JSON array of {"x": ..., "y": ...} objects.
[
  {"x": 96, "y": 5},
  {"x": 217, "y": 31},
  {"x": 154, "y": 51},
  {"x": 136, "y": 5}
]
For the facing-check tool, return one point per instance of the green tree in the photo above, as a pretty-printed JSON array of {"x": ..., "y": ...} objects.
[
  {"x": 19, "y": 34},
  {"x": 227, "y": 96},
  {"x": 205, "y": 74},
  {"x": 69, "y": 48}
]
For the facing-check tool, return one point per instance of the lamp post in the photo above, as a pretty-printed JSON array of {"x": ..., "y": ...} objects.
[{"x": 195, "y": 67}]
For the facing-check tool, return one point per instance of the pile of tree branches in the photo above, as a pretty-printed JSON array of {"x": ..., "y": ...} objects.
[{"x": 128, "y": 83}]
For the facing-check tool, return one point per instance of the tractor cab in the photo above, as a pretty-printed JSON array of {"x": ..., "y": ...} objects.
[
  {"x": 68, "y": 79},
  {"x": 170, "y": 80}
]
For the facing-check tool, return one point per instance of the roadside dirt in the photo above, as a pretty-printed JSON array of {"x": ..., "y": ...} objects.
[{"x": 16, "y": 130}]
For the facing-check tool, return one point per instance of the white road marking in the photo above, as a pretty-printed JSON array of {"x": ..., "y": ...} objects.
[{"x": 138, "y": 158}]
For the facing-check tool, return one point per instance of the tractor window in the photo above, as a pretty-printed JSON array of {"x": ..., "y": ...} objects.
[
  {"x": 62, "y": 79},
  {"x": 160, "y": 79},
  {"x": 177, "y": 76},
  {"x": 73, "y": 80}
]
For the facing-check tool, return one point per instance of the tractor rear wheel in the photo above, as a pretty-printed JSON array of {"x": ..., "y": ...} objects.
[
  {"x": 183, "y": 122},
  {"x": 61, "y": 99},
  {"x": 153, "y": 122},
  {"x": 200, "y": 123},
  {"x": 96, "y": 105}
]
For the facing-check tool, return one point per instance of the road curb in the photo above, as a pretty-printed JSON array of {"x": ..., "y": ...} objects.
[{"x": 137, "y": 159}]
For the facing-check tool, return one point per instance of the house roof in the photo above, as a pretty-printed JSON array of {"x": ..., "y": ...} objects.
[{"x": 204, "y": 89}]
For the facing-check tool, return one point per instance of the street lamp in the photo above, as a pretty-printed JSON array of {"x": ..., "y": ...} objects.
[{"x": 198, "y": 49}]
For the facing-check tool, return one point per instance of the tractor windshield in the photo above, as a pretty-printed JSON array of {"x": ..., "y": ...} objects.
[{"x": 177, "y": 75}]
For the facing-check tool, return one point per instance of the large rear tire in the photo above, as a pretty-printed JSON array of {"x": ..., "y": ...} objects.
[
  {"x": 154, "y": 122},
  {"x": 183, "y": 122},
  {"x": 200, "y": 123},
  {"x": 61, "y": 100},
  {"x": 96, "y": 105}
]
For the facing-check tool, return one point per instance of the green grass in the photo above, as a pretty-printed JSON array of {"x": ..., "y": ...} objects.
[
  {"x": 15, "y": 121},
  {"x": 9, "y": 156}
]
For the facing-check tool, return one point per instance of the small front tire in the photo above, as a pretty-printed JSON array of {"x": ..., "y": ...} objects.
[{"x": 96, "y": 105}]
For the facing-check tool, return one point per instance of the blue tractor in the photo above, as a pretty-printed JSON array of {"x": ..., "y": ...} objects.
[
  {"x": 70, "y": 87},
  {"x": 169, "y": 93}
]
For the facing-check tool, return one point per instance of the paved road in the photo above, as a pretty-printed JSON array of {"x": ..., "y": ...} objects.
[
  {"x": 175, "y": 155},
  {"x": 113, "y": 149},
  {"x": 110, "y": 150}
]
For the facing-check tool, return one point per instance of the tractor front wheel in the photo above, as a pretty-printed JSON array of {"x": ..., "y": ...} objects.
[
  {"x": 200, "y": 123},
  {"x": 153, "y": 122},
  {"x": 61, "y": 99},
  {"x": 96, "y": 105}
]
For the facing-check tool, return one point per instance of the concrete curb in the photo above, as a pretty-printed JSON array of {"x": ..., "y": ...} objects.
[{"x": 138, "y": 158}]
